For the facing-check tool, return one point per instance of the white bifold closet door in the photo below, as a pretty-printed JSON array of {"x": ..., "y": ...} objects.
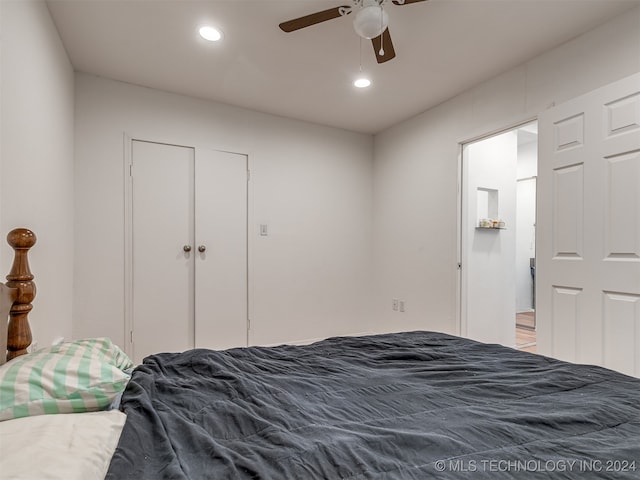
[
  {"x": 588, "y": 244},
  {"x": 189, "y": 248}
]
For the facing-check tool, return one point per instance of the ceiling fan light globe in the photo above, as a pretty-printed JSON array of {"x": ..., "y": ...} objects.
[
  {"x": 370, "y": 22},
  {"x": 210, "y": 33}
]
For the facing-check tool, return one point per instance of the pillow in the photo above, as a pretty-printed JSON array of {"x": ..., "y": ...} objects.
[{"x": 81, "y": 376}]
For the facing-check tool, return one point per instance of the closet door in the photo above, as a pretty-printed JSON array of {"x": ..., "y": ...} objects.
[
  {"x": 588, "y": 275},
  {"x": 163, "y": 225},
  {"x": 221, "y": 238}
]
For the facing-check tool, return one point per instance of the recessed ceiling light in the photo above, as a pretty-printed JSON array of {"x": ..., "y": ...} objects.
[
  {"x": 210, "y": 33},
  {"x": 362, "y": 82}
]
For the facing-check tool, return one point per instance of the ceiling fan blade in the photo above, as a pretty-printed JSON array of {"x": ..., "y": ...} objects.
[
  {"x": 384, "y": 41},
  {"x": 318, "y": 17},
  {"x": 406, "y": 2}
]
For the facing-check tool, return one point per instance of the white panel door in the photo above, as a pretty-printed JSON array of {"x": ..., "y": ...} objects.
[
  {"x": 588, "y": 257},
  {"x": 163, "y": 223},
  {"x": 221, "y": 234}
]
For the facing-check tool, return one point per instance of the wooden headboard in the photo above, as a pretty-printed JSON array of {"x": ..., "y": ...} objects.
[
  {"x": 7, "y": 297},
  {"x": 16, "y": 297}
]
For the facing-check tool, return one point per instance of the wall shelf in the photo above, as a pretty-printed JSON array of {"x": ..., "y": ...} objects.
[{"x": 491, "y": 228}]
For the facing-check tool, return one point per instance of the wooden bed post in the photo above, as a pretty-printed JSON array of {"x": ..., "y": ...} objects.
[{"x": 21, "y": 278}]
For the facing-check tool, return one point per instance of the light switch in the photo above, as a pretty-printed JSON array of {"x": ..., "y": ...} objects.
[{"x": 264, "y": 230}]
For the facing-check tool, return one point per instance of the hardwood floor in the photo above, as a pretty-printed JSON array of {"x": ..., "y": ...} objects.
[
  {"x": 526, "y": 319},
  {"x": 525, "y": 333}
]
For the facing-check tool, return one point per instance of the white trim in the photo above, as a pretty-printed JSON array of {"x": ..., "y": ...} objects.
[
  {"x": 458, "y": 308},
  {"x": 128, "y": 245},
  {"x": 497, "y": 131},
  {"x": 250, "y": 245}
]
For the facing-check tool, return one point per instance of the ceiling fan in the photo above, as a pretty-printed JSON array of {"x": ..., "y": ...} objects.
[{"x": 370, "y": 23}]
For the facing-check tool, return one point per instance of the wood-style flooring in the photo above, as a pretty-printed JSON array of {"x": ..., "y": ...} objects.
[
  {"x": 526, "y": 319},
  {"x": 525, "y": 333}
]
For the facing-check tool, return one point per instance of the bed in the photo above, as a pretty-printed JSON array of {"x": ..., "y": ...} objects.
[{"x": 410, "y": 405}]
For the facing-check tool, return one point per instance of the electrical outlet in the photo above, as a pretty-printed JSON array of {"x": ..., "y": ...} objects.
[
  {"x": 402, "y": 306},
  {"x": 394, "y": 305}
]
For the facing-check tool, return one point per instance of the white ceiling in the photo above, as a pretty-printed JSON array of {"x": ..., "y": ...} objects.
[{"x": 442, "y": 48}]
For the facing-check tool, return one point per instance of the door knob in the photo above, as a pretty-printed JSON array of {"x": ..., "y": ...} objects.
[
  {"x": 187, "y": 248},
  {"x": 202, "y": 248}
]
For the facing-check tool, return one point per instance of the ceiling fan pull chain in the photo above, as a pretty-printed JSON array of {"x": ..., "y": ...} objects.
[{"x": 381, "y": 52}]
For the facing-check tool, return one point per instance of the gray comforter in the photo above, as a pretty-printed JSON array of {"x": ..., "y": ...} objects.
[{"x": 412, "y": 405}]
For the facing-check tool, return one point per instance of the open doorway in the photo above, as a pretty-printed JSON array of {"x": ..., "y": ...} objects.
[{"x": 498, "y": 200}]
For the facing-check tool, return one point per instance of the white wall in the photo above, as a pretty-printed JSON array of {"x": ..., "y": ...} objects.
[
  {"x": 36, "y": 162},
  {"x": 310, "y": 278},
  {"x": 416, "y": 168},
  {"x": 527, "y": 156}
]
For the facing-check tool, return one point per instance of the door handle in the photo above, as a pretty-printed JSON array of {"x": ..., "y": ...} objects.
[
  {"x": 187, "y": 248},
  {"x": 202, "y": 248}
]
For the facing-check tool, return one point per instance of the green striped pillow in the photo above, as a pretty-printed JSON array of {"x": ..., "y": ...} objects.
[{"x": 81, "y": 376}]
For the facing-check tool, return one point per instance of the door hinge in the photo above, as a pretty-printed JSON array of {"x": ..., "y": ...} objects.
[
  {"x": 248, "y": 175},
  {"x": 130, "y": 170},
  {"x": 131, "y": 336}
]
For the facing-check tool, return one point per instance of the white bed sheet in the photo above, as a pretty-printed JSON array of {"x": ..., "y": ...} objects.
[{"x": 63, "y": 446}]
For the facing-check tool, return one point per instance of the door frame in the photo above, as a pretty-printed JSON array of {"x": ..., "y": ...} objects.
[
  {"x": 461, "y": 291},
  {"x": 128, "y": 140}
]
